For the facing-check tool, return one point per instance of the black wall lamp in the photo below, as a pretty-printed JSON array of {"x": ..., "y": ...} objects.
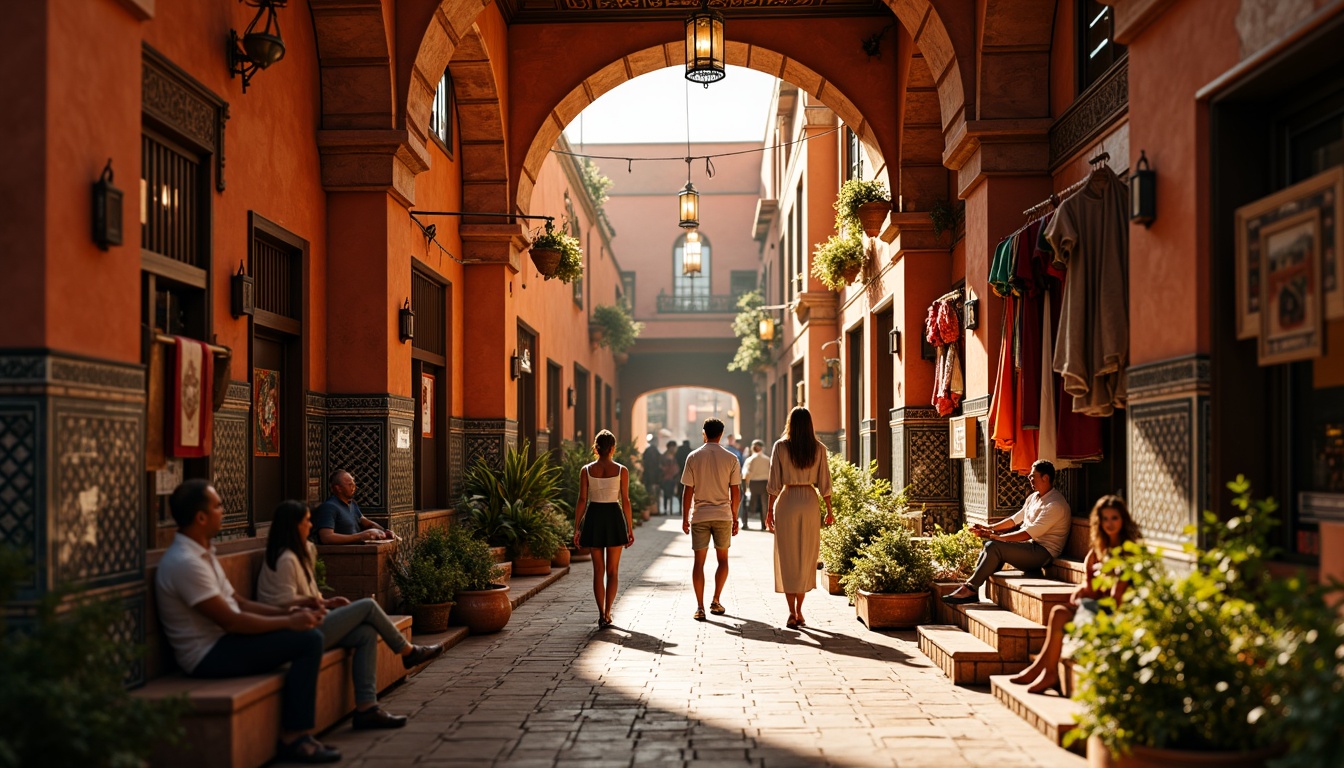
[
  {"x": 242, "y": 293},
  {"x": 520, "y": 364},
  {"x": 569, "y": 397},
  {"x": 972, "y": 309},
  {"x": 106, "y": 210},
  {"x": 1143, "y": 192},
  {"x": 894, "y": 340},
  {"x": 257, "y": 49},
  {"x": 406, "y": 322}
]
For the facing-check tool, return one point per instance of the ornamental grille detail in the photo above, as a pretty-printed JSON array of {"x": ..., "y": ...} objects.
[
  {"x": 358, "y": 449},
  {"x": 229, "y": 467},
  {"x": 1160, "y": 473},
  {"x": 19, "y": 484},
  {"x": 98, "y": 459}
]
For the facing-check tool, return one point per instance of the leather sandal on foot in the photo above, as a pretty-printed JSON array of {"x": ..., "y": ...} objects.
[
  {"x": 699, "y": 614},
  {"x": 717, "y": 609},
  {"x": 792, "y": 623}
]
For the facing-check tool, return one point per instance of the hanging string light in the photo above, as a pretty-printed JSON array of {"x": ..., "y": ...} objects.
[
  {"x": 704, "y": 46},
  {"x": 690, "y": 254}
]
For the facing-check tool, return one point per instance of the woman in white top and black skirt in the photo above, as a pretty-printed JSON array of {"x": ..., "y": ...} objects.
[{"x": 602, "y": 521}]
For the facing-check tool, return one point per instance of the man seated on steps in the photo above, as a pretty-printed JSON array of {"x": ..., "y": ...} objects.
[
  {"x": 216, "y": 634},
  {"x": 338, "y": 520},
  {"x": 1029, "y": 539}
]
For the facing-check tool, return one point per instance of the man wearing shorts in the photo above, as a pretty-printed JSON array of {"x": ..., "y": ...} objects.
[{"x": 713, "y": 488}]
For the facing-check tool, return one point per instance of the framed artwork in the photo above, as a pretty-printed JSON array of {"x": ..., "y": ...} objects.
[
  {"x": 266, "y": 412},
  {"x": 426, "y": 404},
  {"x": 1323, "y": 193},
  {"x": 1291, "y": 305}
]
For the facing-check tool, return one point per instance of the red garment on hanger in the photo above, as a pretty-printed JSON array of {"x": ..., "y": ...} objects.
[{"x": 1003, "y": 408}]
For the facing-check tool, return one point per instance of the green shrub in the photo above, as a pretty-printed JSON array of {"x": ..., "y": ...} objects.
[
  {"x": 854, "y": 193},
  {"x": 474, "y": 559},
  {"x": 532, "y": 530},
  {"x": 753, "y": 352},
  {"x": 63, "y": 685},
  {"x": 492, "y": 497},
  {"x": 620, "y": 328},
  {"x": 841, "y": 543},
  {"x": 891, "y": 563},
  {"x": 955, "y": 554},
  {"x": 834, "y": 257},
  {"x": 569, "y": 459},
  {"x": 432, "y": 574},
  {"x": 855, "y": 488}
]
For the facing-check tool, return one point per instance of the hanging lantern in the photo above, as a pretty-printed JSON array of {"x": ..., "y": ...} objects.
[
  {"x": 688, "y": 201},
  {"x": 767, "y": 328},
  {"x": 690, "y": 254},
  {"x": 704, "y": 46},
  {"x": 1143, "y": 192}
]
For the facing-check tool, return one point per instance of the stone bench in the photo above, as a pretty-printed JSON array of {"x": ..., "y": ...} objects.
[{"x": 355, "y": 571}]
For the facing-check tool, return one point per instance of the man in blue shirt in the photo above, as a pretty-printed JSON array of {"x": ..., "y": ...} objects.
[{"x": 338, "y": 519}]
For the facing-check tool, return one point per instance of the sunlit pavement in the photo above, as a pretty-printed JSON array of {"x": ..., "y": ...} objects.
[{"x": 739, "y": 689}]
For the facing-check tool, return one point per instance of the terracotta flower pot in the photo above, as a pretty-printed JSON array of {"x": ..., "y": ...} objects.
[
  {"x": 483, "y": 611},
  {"x": 831, "y": 583},
  {"x": 527, "y": 565},
  {"x": 645, "y": 513},
  {"x": 506, "y": 572},
  {"x": 561, "y": 559},
  {"x": 892, "y": 611},
  {"x": 546, "y": 260},
  {"x": 621, "y": 358},
  {"x": 580, "y": 555},
  {"x": 851, "y": 273},
  {"x": 873, "y": 215},
  {"x": 501, "y": 554},
  {"x": 1147, "y": 757},
  {"x": 431, "y": 618}
]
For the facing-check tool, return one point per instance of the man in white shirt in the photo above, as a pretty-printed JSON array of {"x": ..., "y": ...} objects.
[
  {"x": 756, "y": 475},
  {"x": 1029, "y": 539},
  {"x": 709, "y": 510},
  {"x": 216, "y": 634}
]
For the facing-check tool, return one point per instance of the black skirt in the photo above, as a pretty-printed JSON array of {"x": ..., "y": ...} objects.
[{"x": 603, "y": 525}]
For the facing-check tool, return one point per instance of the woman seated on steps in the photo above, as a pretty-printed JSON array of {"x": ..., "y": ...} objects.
[
  {"x": 1111, "y": 527},
  {"x": 287, "y": 580}
]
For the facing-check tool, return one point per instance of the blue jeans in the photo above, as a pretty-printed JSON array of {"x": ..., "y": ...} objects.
[
  {"x": 241, "y": 655},
  {"x": 358, "y": 625}
]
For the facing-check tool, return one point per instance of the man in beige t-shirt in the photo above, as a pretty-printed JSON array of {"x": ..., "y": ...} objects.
[{"x": 708, "y": 511}]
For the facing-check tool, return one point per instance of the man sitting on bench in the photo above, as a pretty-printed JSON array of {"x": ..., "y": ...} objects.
[
  {"x": 216, "y": 634},
  {"x": 338, "y": 520},
  {"x": 1029, "y": 539}
]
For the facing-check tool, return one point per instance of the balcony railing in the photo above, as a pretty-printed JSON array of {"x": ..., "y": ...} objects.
[{"x": 724, "y": 304}]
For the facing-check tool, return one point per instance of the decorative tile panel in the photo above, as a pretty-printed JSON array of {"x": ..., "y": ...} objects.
[
  {"x": 229, "y": 468},
  {"x": 361, "y": 435},
  {"x": 315, "y": 447},
  {"x": 1161, "y": 470},
  {"x": 919, "y": 461},
  {"x": 98, "y": 484},
  {"x": 832, "y": 441},
  {"x": 456, "y": 456},
  {"x": 867, "y": 441},
  {"x": 975, "y": 478},
  {"x": 401, "y": 472},
  {"x": 1008, "y": 489},
  {"x": 488, "y": 439},
  {"x": 1163, "y": 379},
  {"x": 359, "y": 449},
  {"x": 20, "y": 484}
]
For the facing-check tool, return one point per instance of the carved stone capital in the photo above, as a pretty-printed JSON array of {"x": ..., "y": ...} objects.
[
  {"x": 494, "y": 244},
  {"x": 816, "y": 305},
  {"x": 372, "y": 160}
]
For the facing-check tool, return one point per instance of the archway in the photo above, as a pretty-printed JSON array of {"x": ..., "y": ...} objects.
[
  {"x": 672, "y": 417},
  {"x": 659, "y": 370}
]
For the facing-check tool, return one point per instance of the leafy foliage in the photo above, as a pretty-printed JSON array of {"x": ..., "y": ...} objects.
[
  {"x": 533, "y": 530},
  {"x": 839, "y": 253},
  {"x": 854, "y": 488},
  {"x": 320, "y": 575},
  {"x": 621, "y": 329},
  {"x": 864, "y": 508},
  {"x": 891, "y": 563},
  {"x": 854, "y": 193},
  {"x": 569, "y": 459},
  {"x": 432, "y": 574},
  {"x": 493, "y": 500},
  {"x": 594, "y": 182},
  {"x": 571, "y": 252},
  {"x": 1225, "y": 657},
  {"x": 945, "y": 216},
  {"x": 753, "y": 353},
  {"x": 628, "y": 455},
  {"x": 955, "y": 554},
  {"x": 62, "y": 684}
]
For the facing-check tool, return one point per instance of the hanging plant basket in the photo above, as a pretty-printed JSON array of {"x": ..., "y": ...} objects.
[
  {"x": 851, "y": 273},
  {"x": 873, "y": 215},
  {"x": 546, "y": 260},
  {"x": 621, "y": 358}
]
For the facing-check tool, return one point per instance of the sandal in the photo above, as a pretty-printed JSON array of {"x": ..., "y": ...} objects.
[
  {"x": 699, "y": 614},
  {"x": 792, "y": 623},
  {"x": 717, "y": 609},
  {"x": 801, "y": 622}
]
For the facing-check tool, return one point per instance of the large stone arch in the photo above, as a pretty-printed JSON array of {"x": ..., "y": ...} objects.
[
  {"x": 877, "y": 135},
  {"x": 1012, "y": 54},
  {"x": 653, "y": 371},
  {"x": 922, "y": 177}
]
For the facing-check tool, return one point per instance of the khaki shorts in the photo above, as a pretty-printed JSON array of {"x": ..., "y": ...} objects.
[{"x": 721, "y": 530}]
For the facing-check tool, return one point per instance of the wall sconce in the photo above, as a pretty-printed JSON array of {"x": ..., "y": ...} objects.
[
  {"x": 618, "y": 410},
  {"x": 106, "y": 210},
  {"x": 406, "y": 324},
  {"x": 767, "y": 328},
  {"x": 704, "y": 46},
  {"x": 894, "y": 341},
  {"x": 257, "y": 50},
  {"x": 828, "y": 375},
  {"x": 520, "y": 364},
  {"x": 569, "y": 397},
  {"x": 972, "y": 309},
  {"x": 800, "y": 393},
  {"x": 242, "y": 293},
  {"x": 1143, "y": 192}
]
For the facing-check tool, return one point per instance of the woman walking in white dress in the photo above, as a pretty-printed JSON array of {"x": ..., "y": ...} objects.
[{"x": 798, "y": 473}]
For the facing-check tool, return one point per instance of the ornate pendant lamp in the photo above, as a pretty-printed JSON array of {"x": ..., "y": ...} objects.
[
  {"x": 688, "y": 201},
  {"x": 704, "y": 46},
  {"x": 690, "y": 254},
  {"x": 767, "y": 328}
]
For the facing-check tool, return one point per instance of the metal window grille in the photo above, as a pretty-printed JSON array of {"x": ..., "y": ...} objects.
[
  {"x": 427, "y": 301},
  {"x": 170, "y": 200}
]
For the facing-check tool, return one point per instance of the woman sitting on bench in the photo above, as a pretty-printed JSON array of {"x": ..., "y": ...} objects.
[
  {"x": 287, "y": 581},
  {"x": 1111, "y": 527}
]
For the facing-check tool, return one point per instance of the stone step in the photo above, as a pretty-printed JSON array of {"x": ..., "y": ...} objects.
[
  {"x": 1029, "y": 596},
  {"x": 963, "y": 658},
  {"x": 1013, "y": 636},
  {"x": 1062, "y": 569},
  {"x": 1049, "y": 713}
]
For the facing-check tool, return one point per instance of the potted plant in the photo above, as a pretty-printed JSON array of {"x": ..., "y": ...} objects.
[
  {"x": 864, "y": 505},
  {"x": 428, "y": 580},
  {"x": 618, "y": 330},
  {"x": 480, "y": 603},
  {"x": 837, "y": 262},
  {"x": 535, "y": 539},
  {"x": 865, "y": 203},
  {"x": 1225, "y": 664},
  {"x": 557, "y": 254},
  {"x": 564, "y": 531},
  {"x": 890, "y": 581}
]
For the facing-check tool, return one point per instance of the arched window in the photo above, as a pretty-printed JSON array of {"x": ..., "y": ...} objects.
[{"x": 691, "y": 292}]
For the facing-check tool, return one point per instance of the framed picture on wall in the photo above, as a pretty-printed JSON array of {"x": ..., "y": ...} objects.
[
  {"x": 1323, "y": 193},
  {"x": 266, "y": 412},
  {"x": 1290, "y": 289},
  {"x": 426, "y": 404}
]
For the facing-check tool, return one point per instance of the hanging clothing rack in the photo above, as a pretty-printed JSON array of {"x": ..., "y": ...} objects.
[
  {"x": 215, "y": 348},
  {"x": 951, "y": 295},
  {"x": 1055, "y": 197}
]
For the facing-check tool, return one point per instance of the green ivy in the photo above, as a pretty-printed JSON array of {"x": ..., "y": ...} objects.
[
  {"x": 854, "y": 193},
  {"x": 620, "y": 328},
  {"x": 571, "y": 252}
]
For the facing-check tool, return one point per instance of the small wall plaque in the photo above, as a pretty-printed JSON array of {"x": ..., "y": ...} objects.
[{"x": 961, "y": 437}]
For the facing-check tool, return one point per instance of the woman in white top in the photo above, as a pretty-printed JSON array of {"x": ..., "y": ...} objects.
[
  {"x": 602, "y": 521},
  {"x": 287, "y": 580}
]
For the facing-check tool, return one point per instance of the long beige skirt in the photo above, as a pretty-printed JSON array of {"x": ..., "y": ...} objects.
[{"x": 797, "y": 540}]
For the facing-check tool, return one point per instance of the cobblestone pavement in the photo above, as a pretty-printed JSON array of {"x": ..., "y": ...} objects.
[{"x": 661, "y": 688}]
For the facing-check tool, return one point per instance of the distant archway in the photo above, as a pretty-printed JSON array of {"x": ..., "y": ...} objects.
[{"x": 657, "y": 371}]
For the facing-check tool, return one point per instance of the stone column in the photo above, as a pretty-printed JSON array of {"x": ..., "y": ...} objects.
[{"x": 920, "y": 465}]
